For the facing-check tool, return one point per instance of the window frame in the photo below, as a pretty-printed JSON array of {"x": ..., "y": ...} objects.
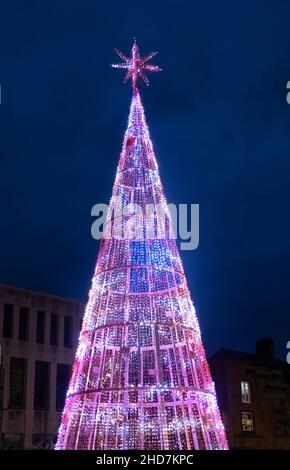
[
  {"x": 244, "y": 400},
  {"x": 11, "y": 321},
  {"x": 54, "y": 329},
  {"x": 40, "y": 326},
  {"x": 25, "y": 336},
  {"x": 68, "y": 331},
  {"x": 14, "y": 405},
  {"x": 45, "y": 405},
  {"x": 253, "y": 422},
  {"x": 59, "y": 400}
]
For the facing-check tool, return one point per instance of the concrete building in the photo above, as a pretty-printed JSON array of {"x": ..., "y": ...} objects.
[
  {"x": 38, "y": 338},
  {"x": 253, "y": 392}
]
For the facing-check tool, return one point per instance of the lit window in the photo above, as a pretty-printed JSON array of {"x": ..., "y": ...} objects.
[
  {"x": 247, "y": 421},
  {"x": 245, "y": 391}
]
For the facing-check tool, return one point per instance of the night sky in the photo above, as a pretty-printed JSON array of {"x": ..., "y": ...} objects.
[{"x": 220, "y": 126}]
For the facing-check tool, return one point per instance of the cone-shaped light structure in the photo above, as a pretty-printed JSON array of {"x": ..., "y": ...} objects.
[{"x": 140, "y": 378}]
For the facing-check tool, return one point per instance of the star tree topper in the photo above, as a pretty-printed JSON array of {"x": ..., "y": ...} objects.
[{"x": 136, "y": 65}]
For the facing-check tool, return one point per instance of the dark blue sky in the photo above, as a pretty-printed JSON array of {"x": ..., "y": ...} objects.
[{"x": 220, "y": 127}]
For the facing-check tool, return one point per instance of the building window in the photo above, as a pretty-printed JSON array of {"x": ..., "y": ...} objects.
[
  {"x": 247, "y": 421},
  {"x": 40, "y": 327},
  {"x": 17, "y": 382},
  {"x": 12, "y": 441},
  {"x": 245, "y": 392},
  {"x": 54, "y": 329},
  {"x": 67, "y": 332},
  {"x": 41, "y": 384},
  {"x": 43, "y": 441},
  {"x": 8, "y": 321},
  {"x": 62, "y": 380},
  {"x": 23, "y": 324}
]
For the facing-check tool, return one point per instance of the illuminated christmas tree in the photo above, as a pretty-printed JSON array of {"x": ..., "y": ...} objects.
[{"x": 140, "y": 378}]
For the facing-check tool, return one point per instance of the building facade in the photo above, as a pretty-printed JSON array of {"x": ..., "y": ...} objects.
[
  {"x": 253, "y": 392},
  {"x": 38, "y": 339}
]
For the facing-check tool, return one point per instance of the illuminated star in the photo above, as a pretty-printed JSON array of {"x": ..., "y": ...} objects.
[{"x": 136, "y": 65}]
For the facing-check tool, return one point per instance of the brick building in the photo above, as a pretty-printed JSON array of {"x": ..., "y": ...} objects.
[
  {"x": 253, "y": 391},
  {"x": 38, "y": 338}
]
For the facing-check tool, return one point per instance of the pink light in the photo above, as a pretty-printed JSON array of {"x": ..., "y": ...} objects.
[
  {"x": 136, "y": 65},
  {"x": 140, "y": 378}
]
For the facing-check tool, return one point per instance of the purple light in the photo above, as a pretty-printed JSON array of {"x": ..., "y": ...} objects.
[{"x": 140, "y": 378}]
